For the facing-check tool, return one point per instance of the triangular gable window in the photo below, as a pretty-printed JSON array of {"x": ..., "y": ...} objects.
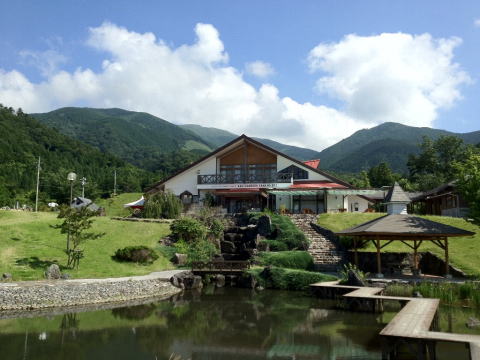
[{"x": 298, "y": 173}]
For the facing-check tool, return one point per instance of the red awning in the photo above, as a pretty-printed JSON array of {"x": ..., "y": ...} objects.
[{"x": 316, "y": 185}]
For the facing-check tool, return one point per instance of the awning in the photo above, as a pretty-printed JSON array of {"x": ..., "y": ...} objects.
[
  {"x": 352, "y": 192},
  {"x": 135, "y": 204},
  {"x": 295, "y": 192}
]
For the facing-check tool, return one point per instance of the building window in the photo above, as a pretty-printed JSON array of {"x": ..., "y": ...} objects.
[{"x": 298, "y": 173}]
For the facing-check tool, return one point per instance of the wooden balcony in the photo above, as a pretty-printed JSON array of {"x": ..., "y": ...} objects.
[{"x": 243, "y": 179}]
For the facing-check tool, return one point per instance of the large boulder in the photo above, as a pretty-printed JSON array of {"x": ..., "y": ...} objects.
[
  {"x": 187, "y": 280},
  {"x": 6, "y": 277},
  {"x": 219, "y": 280},
  {"x": 180, "y": 259},
  {"x": 353, "y": 279},
  {"x": 227, "y": 247},
  {"x": 53, "y": 272},
  {"x": 264, "y": 225}
]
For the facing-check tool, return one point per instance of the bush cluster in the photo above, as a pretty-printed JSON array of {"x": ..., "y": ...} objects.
[
  {"x": 287, "y": 259},
  {"x": 139, "y": 254},
  {"x": 162, "y": 205},
  {"x": 285, "y": 235},
  {"x": 288, "y": 279},
  {"x": 188, "y": 229}
]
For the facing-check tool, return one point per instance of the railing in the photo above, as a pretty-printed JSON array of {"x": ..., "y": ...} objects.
[
  {"x": 243, "y": 178},
  {"x": 220, "y": 266}
]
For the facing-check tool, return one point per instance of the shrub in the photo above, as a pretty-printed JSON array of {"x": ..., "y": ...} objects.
[
  {"x": 139, "y": 254},
  {"x": 288, "y": 259},
  {"x": 188, "y": 229},
  {"x": 275, "y": 245},
  {"x": 351, "y": 267},
  {"x": 200, "y": 250},
  {"x": 162, "y": 205},
  {"x": 288, "y": 279}
]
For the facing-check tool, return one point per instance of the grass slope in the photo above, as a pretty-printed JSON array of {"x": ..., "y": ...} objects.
[
  {"x": 463, "y": 251},
  {"x": 114, "y": 206},
  {"x": 29, "y": 244}
]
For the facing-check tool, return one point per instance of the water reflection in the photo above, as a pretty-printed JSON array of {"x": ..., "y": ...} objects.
[{"x": 217, "y": 324}]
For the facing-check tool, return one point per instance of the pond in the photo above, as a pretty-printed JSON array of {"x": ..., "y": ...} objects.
[{"x": 223, "y": 323}]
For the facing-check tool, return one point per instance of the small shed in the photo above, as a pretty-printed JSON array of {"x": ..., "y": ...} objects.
[{"x": 80, "y": 202}]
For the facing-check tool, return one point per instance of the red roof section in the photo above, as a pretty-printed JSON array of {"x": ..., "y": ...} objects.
[
  {"x": 312, "y": 163},
  {"x": 316, "y": 185}
]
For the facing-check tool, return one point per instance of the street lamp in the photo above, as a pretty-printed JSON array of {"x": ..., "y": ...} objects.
[{"x": 71, "y": 177}]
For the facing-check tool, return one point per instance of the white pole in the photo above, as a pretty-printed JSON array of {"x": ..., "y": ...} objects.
[
  {"x": 84, "y": 181},
  {"x": 114, "y": 182},
  {"x": 38, "y": 184}
]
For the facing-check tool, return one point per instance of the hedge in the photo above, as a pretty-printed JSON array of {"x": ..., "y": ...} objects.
[{"x": 287, "y": 259}]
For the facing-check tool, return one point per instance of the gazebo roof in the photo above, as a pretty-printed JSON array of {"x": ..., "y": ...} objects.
[
  {"x": 404, "y": 227},
  {"x": 396, "y": 194}
]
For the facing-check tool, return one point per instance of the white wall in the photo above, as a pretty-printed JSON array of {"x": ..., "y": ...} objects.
[
  {"x": 352, "y": 199},
  {"x": 396, "y": 208},
  {"x": 188, "y": 179},
  {"x": 284, "y": 200},
  {"x": 335, "y": 202},
  {"x": 282, "y": 163}
]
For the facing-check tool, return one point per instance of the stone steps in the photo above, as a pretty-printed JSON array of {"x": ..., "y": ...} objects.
[{"x": 325, "y": 250}]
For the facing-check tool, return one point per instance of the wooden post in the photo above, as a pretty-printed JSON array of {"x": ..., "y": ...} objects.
[
  {"x": 379, "y": 260},
  {"x": 415, "y": 259},
  {"x": 356, "y": 252},
  {"x": 447, "y": 266}
]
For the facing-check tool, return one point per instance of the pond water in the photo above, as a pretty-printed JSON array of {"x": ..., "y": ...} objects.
[{"x": 221, "y": 323}]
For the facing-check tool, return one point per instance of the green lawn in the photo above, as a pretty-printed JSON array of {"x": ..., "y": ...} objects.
[
  {"x": 114, "y": 206},
  {"x": 28, "y": 244},
  {"x": 463, "y": 250}
]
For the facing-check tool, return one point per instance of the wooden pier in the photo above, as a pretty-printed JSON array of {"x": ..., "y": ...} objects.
[{"x": 414, "y": 325}]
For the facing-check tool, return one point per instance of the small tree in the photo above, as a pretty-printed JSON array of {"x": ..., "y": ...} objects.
[
  {"x": 75, "y": 223},
  {"x": 468, "y": 182},
  {"x": 162, "y": 205}
]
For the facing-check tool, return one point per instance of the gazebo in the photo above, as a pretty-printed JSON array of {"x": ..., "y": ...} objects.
[{"x": 397, "y": 225}]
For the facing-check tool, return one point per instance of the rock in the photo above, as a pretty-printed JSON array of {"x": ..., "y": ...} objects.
[
  {"x": 473, "y": 322},
  {"x": 65, "y": 276},
  {"x": 261, "y": 245},
  {"x": 246, "y": 281},
  {"x": 264, "y": 225},
  {"x": 251, "y": 233},
  {"x": 53, "y": 272},
  {"x": 219, "y": 280},
  {"x": 227, "y": 247},
  {"x": 6, "y": 276},
  {"x": 416, "y": 294},
  {"x": 180, "y": 259},
  {"x": 259, "y": 288},
  {"x": 187, "y": 280},
  {"x": 354, "y": 279}
]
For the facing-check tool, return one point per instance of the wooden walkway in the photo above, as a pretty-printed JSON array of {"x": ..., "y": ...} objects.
[{"x": 414, "y": 325}]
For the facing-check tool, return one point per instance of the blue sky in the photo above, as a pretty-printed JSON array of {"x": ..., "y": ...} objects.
[{"x": 40, "y": 39}]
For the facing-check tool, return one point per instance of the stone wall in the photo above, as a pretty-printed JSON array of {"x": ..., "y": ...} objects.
[
  {"x": 395, "y": 263},
  {"x": 61, "y": 293}
]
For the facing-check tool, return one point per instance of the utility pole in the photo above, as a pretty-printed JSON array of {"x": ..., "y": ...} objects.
[
  {"x": 38, "y": 185},
  {"x": 114, "y": 182},
  {"x": 84, "y": 182}
]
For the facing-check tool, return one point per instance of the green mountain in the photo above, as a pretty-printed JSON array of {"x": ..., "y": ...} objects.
[
  {"x": 24, "y": 139},
  {"x": 217, "y": 137},
  {"x": 390, "y": 142},
  {"x": 136, "y": 137}
]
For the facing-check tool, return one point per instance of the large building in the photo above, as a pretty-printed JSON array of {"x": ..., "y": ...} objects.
[{"x": 246, "y": 174}]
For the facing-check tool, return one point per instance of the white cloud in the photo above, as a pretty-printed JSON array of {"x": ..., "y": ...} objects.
[
  {"x": 476, "y": 22},
  {"x": 389, "y": 77},
  {"x": 259, "y": 69},
  {"x": 46, "y": 61}
]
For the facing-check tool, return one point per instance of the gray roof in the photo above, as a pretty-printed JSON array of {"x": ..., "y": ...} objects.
[
  {"x": 396, "y": 194},
  {"x": 79, "y": 202},
  {"x": 405, "y": 226}
]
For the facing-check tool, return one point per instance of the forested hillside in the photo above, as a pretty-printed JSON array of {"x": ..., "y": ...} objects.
[
  {"x": 23, "y": 139},
  {"x": 139, "y": 138}
]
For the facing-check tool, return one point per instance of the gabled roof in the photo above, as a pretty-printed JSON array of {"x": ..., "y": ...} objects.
[
  {"x": 312, "y": 163},
  {"x": 397, "y": 195},
  {"x": 404, "y": 226},
  {"x": 254, "y": 142}
]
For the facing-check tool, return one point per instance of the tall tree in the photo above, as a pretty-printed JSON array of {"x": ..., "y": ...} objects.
[
  {"x": 468, "y": 181},
  {"x": 381, "y": 175}
]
